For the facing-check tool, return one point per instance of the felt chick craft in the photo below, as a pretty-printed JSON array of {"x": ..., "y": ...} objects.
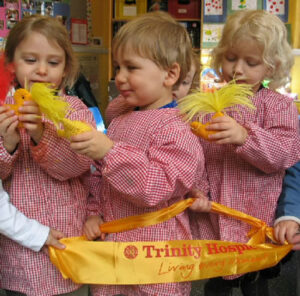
[
  {"x": 201, "y": 103},
  {"x": 52, "y": 106}
]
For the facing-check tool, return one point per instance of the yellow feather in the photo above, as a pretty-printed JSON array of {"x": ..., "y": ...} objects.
[
  {"x": 201, "y": 103},
  {"x": 54, "y": 107},
  {"x": 72, "y": 128}
]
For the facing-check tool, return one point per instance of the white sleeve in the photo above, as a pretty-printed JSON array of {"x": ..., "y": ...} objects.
[{"x": 15, "y": 225}]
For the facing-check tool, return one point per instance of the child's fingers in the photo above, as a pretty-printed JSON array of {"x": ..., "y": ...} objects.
[
  {"x": 79, "y": 147},
  {"x": 82, "y": 137},
  {"x": 13, "y": 126},
  {"x": 217, "y": 126},
  {"x": 291, "y": 231},
  {"x": 285, "y": 230},
  {"x": 8, "y": 125},
  {"x": 91, "y": 228},
  {"x": 30, "y": 109},
  {"x": 53, "y": 237},
  {"x": 56, "y": 244},
  {"x": 201, "y": 205},
  {"x": 3, "y": 109},
  {"x": 279, "y": 233},
  {"x": 296, "y": 242},
  {"x": 91, "y": 233},
  {"x": 31, "y": 118}
]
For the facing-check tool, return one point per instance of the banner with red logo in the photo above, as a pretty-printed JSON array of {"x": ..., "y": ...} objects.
[{"x": 126, "y": 263}]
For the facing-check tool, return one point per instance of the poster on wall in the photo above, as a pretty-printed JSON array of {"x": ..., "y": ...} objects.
[
  {"x": 211, "y": 34},
  {"x": 234, "y": 5},
  {"x": 214, "y": 11},
  {"x": 12, "y": 13},
  {"x": 277, "y": 7},
  {"x": 28, "y": 7}
]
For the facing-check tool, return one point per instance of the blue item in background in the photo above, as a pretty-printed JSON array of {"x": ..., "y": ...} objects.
[{"x": 99, "y": 119}]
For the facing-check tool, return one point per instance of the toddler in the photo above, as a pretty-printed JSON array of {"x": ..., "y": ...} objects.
[
  {"x": 247, "y": 156},
  {"x": 40, "y": 172},
  {"x": 149, "y": 158}
]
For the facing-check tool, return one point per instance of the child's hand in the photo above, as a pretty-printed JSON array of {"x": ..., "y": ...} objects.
[
  {"x": 201, "y": 204},
  {"x": 8, "y": 129},
  {"x": 286, "y": 230},
  {"x": 32, "y": 120},
  {"x": 53, "y": 237},
  {"x": 93, "y": 144},
  {"x": 91, "y": 228},
  {"x": 228, "y": 131}
]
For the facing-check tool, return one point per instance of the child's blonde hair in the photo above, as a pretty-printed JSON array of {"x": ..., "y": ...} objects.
[
  {"x": 270, "y": 34},
  {"x": 53, "y": 30},
  {"x": 198, "y": 67},
  {"x": 158, "y": 37}
]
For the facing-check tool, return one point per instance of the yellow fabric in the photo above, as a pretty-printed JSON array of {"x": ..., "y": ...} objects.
[
  {"x": 147, "y": 219},
  {"x": 128, "y": 263},
  {"x": 124, "y": 263}
]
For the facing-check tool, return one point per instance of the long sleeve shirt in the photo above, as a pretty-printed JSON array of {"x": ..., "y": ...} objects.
[
  {"x": 289, "y": 201},
  {"x": 44, "y": 182},
  {"x": 249, "y": 177},
  {"x": 155, "y": 162},
  {"x": 15, "y": 225}
]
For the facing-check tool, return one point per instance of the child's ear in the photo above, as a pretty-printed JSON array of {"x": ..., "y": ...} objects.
[{"x": 172, "y": 75}]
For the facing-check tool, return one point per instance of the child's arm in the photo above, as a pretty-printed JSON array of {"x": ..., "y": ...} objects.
[
  {"x": 288, "y": 208},
  {"x": 53, "y": 153},
  {"x": 9, "y": 141},
  {"x": 27, "y": 232},
  {"x": 8, "y": 129},
  {"x": 272, "y": 142},
  {"x": 148, "y": 178}
]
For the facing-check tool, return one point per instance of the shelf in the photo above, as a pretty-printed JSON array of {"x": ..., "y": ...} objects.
[
  {"x": 177, "y": 19},
  {"x": 89, "y": 49}
]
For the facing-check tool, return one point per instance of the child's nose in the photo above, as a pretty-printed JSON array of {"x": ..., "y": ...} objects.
[
  {"x": 42, "y": 68},
  {"x": 238, "y": 68},
  {"x": 120, "y": 76}
]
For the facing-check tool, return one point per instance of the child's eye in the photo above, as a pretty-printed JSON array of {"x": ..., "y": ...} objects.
[
  {"x": 53, "y": 63},
  {"x": 230, "y": 58},
  {"x": 117, "y": 68},
  {"x": 130, "y": 68},
  {"x": 252, "y": 63},
  {"x": 30, "y": 60}
]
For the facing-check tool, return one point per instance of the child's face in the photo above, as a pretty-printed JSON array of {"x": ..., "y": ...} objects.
[
  {"x": 185, "y": 85},
  {"x": 38, "y": 60},
  {"x": 140, "y": 81},
  {"x": 244, "y": 63}
]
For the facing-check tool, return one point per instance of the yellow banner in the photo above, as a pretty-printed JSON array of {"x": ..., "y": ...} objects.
[
  {"x": 160, "y": 262},
  {"x": 129, "y": 263}
]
